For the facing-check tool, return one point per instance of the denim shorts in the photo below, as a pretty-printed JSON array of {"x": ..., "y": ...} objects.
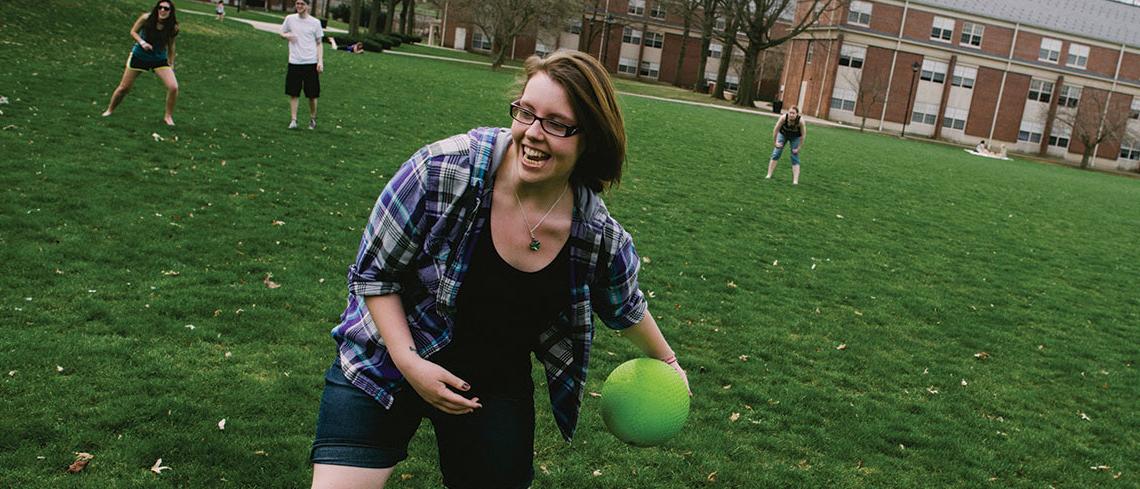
[
  {"x": 491, "y": 447},
  {"x": 793, "y": 142}
]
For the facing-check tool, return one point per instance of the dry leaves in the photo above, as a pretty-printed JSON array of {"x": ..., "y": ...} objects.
[
  {"x": 744, "y": 358},
  {"x": 734, "y": 417},
  {"x": 597, "y": 473},
  {"x": 712, "y": 477},
  {"x": 278, "y": 223},
  {"x": 841, "y": 347},
  {"x": 222, "y": 424},
  {"x": 158, "y": 467},
  {"x": 982, "y": 355},
  {"x": 595, "y": 394},
  {"x": 170, "y": 273},
  {"x": 406, "y": 476},
  {"x": 1084, "y": 416},
  {"x": 81, "y": 460},
  {"x": 269, "y": 283},
  {"x": 731, "y": 284}
]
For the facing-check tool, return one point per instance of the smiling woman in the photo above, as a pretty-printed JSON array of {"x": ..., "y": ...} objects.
[
  {"x": 154, "y": 35},
  {"x": 453, "y": 288}
]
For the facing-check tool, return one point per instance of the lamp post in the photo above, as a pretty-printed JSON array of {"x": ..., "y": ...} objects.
[{"x": 910, "y": 95}]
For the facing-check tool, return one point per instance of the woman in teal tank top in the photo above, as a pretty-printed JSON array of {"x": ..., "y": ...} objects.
[{"x": 154, "y": 35}]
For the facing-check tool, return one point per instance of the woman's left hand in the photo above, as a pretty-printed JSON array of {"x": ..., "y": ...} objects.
[{"x": 680, "y": 371}]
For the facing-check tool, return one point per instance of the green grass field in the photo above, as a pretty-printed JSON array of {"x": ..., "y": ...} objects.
[{"x": 834, "y": 332}]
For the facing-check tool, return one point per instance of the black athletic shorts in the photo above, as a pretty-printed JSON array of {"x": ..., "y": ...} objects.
[
  {"x": 302, "y": 76},
  {"x": 145, "y": 64}
]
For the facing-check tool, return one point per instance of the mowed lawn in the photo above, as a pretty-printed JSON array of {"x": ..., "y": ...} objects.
[{"x": 909, "y": 316}]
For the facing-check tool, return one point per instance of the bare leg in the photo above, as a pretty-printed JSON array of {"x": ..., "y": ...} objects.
[
  {"x": 771, "y": 168},
  {"x": 293, "y": 109},
  {"x": 343, "y": 477},
  {"x": 795, "y": 174},
  {"x": 312, "y": 113},
  {"x": 168, "y": 79},
  {"x": 121, "y": 91}
]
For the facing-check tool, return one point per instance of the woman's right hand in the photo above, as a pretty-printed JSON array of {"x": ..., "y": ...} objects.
[{"x": 434, "y": 383}]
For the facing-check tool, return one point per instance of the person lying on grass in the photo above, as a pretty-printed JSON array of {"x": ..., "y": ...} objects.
[{"x": 483, "y": 249}]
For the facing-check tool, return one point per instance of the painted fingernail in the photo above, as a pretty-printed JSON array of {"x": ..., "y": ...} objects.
[{"x": 466, "y": 386}]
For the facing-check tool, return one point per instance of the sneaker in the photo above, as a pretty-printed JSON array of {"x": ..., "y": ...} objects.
[
  {"x": 293, "y": 124},
  {"x": 312, "y": 123}
]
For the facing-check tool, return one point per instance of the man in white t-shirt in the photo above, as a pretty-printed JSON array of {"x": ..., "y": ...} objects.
[{"x": 306, "y": 60}]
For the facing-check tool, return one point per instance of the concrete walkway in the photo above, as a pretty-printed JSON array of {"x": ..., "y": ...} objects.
[{"x": 260, "y": 25}]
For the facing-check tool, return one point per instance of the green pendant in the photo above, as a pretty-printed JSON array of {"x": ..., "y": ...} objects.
[{"x": 534, "y": 244}]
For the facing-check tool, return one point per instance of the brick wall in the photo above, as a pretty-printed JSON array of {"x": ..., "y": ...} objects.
[
  {"x": 1028, "y": 46},
  {"x": 1130, "y": 68},
  {"x": 1012, "y": 106},
  {"x": 669, "y": 53},
  {"x": 918, "y": 24},
  {"x": 902, "y": 93},
  {"x": 1103, "y": 61},
  {"x": 984, "y": 102},
  {"x": 996, "y": 40},
  {"x": 886, "y": 18},
  {"x": 877, "y": 62}
]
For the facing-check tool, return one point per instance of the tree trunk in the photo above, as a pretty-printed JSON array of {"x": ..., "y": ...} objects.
[
  {"x": 722, "y": 72},
  {"x": 354, "y": 19},
  {"x": 746, "y": 93},
  {"x": 1085, "y": 156},
  {"x": 498, "y": 51},
  {"x": 404, "y": 16},
  {"x": 411, "y": 18},
  {"x": 701, "y": 85},
  {"x": 681, "y": 56},
  {"x": 391, "y": 16},
  {"x": 374, "y": 18}
]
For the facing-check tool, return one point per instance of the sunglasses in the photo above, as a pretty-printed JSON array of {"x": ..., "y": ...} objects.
[
  {"x": 553, "y": 128},
  {"x": 164, "y": 7}
]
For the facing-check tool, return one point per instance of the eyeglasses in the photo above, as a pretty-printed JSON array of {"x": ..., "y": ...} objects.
[
  {"x": 163, "y": 7},
  {"x": 553, "y": 128}
]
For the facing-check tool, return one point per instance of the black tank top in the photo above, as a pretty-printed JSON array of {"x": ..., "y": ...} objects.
[
  {"x": 500, "y": 312},
  {"x": 790, "y": 130}
]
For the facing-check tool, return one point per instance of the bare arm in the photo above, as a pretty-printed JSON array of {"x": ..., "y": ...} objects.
[
  {"x": 647, "y": 337},
  {"x": 432, "y": 382},
  {"x": 135, "y": 32},
  {"x": 320, "y": 56},
  {"x": 803, "y": 134},
  {"x": 170, "y": 53},
  {"x": 776, "y": 129}
]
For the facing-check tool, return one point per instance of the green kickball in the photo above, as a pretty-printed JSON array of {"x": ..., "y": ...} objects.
[{"x": 644, "y": 402}]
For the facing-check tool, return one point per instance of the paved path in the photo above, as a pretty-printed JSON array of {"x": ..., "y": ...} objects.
[{"x": 260, "y": 25}]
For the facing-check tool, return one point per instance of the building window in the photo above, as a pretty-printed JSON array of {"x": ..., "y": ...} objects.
[
  {"x": 637, "y": 7},
  {"x": 1060, "y": 136},
  {"x": 1078, "y": 56},
  {"x": 650, "y": 69},
  {"x": 715, "y": 50},
  {"x": 721, "y": 25},
  {"x": 541, "y": 50},
  {"x": 859, "y": 14},
  {"x": 810, "y": 51},
  {"x": 934, "y": 71},
  {"x": 1135, "y": 114},
  {"x": 480, "y": 42},
  {"x": 1040, "y": 91},
  {"x": 924, "y": 114},
  {"x": 852, "y": 56},
  {"x": 575, "y": 26},
  {"x": 943, "y": 29},
  {"x": 630, "y": 36},
  {"x": 1030, "y": 132},
  {"x": 1130, "y": 151},
  {"x": 658, "y": 10},
  {"x": 954, "y": 119},
  {"x": 1050, "y": 50},
  {"x": 1069, "y": 96},
  {"x": 627, "y": 66},
  {"x": 843, "y": 99},
  {"x": 654, "y": 39},
  {"x": 731, "y": 82},
  {"x": 972, "y": 34},
  {"x": 964, "y": 76}
]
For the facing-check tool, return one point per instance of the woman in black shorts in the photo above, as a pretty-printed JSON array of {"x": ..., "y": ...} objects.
[{"x": 154, "y": 35}]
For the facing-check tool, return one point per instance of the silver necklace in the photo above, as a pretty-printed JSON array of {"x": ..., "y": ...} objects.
[{"x": 534, "y": 243}]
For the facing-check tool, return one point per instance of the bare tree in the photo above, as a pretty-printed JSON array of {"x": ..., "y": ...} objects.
[
  {"x": 391, "y": 16},
  {"x": 757, "y": 18},
  {"x": 592, "y": 16},
  {"x": 504, "y": 20},
  {"x": 687, "y": 9},
  {"x": 728, "y": 37},
  {"x": 354, "y": 19},
  {"x": 871, "y": 91},
  {"x": 374, "y": 17},
  {"x": 1096, "y": 121},
  {"x": 709, "y": 10}
]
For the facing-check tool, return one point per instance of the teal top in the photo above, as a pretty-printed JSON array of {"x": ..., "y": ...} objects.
[{"x": 157, "y": 52}]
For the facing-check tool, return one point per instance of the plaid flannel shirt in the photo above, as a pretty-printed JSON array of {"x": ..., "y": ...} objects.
[{"x": 418, "y": 243}]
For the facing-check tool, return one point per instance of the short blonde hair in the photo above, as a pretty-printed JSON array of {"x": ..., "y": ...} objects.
[{"x": 595, "y": 108}]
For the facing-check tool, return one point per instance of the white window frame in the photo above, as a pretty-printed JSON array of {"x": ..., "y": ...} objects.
[
  {"x": 627, "y": 66},
  {"x": 934, "y": 71},
  {"x": 716, "y": 50},
  {"x": 541, "y": 49},
  {"x": 1070, "y": 96},
  {"x": 1061, "y": 136},
  {"x": 843, "y": 99},
  {"x": 721, "y": 24},
  {"x": 972, "y": 33},
  {"x": 942, "y": 30},
  {"x": 1078, "y": 56},
  {"x": 636, "y": 7},
  {"x": 964, "y": 76},
  {"x": 860, "y": 13},
  {"x": 852, "y": 56},
  {"x": 1050, "y": 50},
  {"x": 1135, "y": 109},
  {"x": 1043, "y": 89},
  {"x": 630, "y": 35},
  {"x": 478, "y": 39},
  {"x": 658, "y": 10},
  {"x": 1030, "y": 132},
  {"x": 954, "y": 119},
  {"x": 653, "y": 39},
  {"x": 650, "y": 69},
  {"x": 1130, "y": 150},
  {"x": 731, "y": 82},
  {"x": 924, "y": 113}
]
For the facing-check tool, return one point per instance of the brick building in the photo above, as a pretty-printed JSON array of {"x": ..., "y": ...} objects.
[
  {"x": 639, "y": 39},
  {"x": 1023, "y": 73}
]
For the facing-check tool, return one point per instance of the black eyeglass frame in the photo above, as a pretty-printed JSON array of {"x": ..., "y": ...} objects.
[
  {"x": 160, "y": 7},
  {"x": 517, "y": 110}
]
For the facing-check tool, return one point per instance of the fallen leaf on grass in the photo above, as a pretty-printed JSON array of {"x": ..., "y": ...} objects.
[
  {"x": 12, "y": 373},
  {"x": 932, "y": 390},
  {"x": 278, "y": 223},
  {"x": 964, "y": 383},
  {"x": 158, "y": 467},
  {"x": 1102, "y": 468},
  {"x": 81, "y": 460},
  {"x": 58, "y": 368},
  {"x": 595, "y": 394},
  {"x": 269, "y": 283},
  {"x": 734, "y": 417},
  {"x": 170, "y": 273},
  {"x": 406, "y": 476},
  {"x": 982, "y": 355},
  {"x": 744, "y": 358},
  {"x": 731, "y": 284},
  {"x": 712, "y": 477},
  {"x": 1084, "y": 416},
  {"x": 841, "y": 347},
  {"x": 222, "y": 424},
  {"x": 597, "y": 473},
  {"x": 840, "y": 216},
  {"x": 156, "y": 137},
  {"x": 775, "y": 263}
]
